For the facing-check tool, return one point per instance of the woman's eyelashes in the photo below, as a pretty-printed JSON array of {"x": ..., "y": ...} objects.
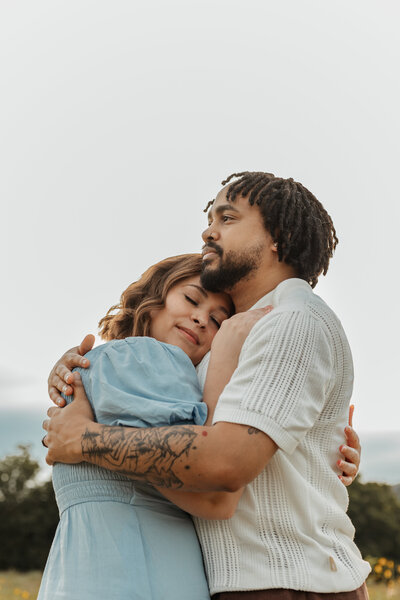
[
  {"x": 191, "y": 300},
  {"x": 214, "y": 320}
]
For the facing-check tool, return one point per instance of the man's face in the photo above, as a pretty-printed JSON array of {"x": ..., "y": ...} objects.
[{"x": 236, "y": 243}]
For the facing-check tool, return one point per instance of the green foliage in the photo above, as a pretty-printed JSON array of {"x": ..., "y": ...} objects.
[
  {"x": 375, "y": 512},
  {"x": 28, "y": 513}
]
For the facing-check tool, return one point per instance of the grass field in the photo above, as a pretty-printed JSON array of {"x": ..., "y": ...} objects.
[{"x": 14, "y": 585}]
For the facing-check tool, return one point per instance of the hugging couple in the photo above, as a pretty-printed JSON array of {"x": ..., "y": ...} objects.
[{"x": 222, "y": 392}]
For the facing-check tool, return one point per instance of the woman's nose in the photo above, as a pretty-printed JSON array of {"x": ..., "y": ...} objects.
[{"x": 200, "y": 318}]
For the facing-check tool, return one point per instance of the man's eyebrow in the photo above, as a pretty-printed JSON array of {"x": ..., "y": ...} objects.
[
  {"x": 203, "y": 291},
  {"x": 222, "y": 208}
]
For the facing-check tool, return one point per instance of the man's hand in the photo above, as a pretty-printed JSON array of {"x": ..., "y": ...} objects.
[
  {"x": 61, "y": 377},
  {"x": 66, "y": 427},
  {"x": 351, "y": 452}
]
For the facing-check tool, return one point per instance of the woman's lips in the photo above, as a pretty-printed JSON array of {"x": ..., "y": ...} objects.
[{"x": 189, "y": 335}]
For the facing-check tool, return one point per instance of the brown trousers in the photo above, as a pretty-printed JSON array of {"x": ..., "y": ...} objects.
[{"x": 280, "y": 594}]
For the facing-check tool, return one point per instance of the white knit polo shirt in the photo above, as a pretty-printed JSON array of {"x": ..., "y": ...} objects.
[{"x": 293, "y": 382}]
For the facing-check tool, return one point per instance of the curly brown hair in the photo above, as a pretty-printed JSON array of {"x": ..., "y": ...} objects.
[{"x": 131, "y": 317}]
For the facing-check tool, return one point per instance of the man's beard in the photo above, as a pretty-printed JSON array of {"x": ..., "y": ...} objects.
[{"x": 233, "y": 267}]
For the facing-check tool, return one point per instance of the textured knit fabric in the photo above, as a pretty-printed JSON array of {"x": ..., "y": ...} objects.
[
  {"x": 293, "y": 382},
  {"x": 117, "y": 538}
]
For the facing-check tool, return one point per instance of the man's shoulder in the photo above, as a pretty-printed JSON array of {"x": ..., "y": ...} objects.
[
  {"x": 296, "y": 295},
  {"x": 297, "y": 305}
]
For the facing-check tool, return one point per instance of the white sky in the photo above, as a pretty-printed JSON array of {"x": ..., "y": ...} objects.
[{"x": 120, "y": 119}]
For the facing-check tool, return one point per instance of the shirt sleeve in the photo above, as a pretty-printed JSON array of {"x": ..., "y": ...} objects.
[
  {"x": 282, "y": 380},
  {"x": 143, "y": 384}
]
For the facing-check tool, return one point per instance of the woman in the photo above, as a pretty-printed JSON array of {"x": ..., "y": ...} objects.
[{"x": 117, "y": 538}]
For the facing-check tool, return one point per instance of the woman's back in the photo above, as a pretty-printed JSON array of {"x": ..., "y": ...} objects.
[{"x": 118, "y": 537}]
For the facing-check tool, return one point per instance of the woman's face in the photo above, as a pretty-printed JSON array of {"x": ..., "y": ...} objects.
[{"x": 190, "y": 318}]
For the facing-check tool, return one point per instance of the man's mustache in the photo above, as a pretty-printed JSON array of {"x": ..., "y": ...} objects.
[{"x": 214, "y": 246}]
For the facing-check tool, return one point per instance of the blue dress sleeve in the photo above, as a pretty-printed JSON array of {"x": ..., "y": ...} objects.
[{"x": 140, "y": 382}]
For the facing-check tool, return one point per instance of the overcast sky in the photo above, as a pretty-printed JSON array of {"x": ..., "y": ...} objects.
[{"x": 120, "y": 119}]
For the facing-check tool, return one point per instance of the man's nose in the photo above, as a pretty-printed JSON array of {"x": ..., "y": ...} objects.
[{"x": 210, "y": 234}]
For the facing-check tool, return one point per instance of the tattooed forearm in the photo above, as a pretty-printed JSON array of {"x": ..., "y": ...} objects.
[{"x": 152, "y": 455}]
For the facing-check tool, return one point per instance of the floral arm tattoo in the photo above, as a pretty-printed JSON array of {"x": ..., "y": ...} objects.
[
  {"x": 148, "y": 454},
  {"x": 174, "y": 457}
]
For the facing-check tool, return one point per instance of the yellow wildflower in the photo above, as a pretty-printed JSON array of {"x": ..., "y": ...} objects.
[
  {"x": 16, "y": 592},
  {"x": 25, "y": 594},
  {"x": 390, "y": 564},
  {"x": 382, "y": 561},
  {"x": 378, "y": 569},
  {"x": 387, "y": 574}
]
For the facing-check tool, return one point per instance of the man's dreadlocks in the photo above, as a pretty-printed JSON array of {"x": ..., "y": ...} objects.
[{"x": 296, "y": 220}]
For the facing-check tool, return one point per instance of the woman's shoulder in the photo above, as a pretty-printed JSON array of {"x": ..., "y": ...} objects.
[{"x": 142, "y": 347}]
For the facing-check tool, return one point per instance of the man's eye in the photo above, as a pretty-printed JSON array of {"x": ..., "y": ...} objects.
[
  {"x": 226, "y": 218},
  {"x": 189, "y": 299}
]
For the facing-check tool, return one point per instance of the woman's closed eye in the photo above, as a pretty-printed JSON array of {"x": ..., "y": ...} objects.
[
  {"x": 215, "y": 321},
  {"x": 189, "y": 299}
]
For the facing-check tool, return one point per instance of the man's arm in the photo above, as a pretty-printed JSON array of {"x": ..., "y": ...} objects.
[
  {"x": 224, "y": 457},
  {"x": 69, "y": 439}
]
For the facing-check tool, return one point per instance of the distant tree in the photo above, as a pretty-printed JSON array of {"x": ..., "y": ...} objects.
[
  {"x": 375, "y": 512},
  {"x": 28, "y": 513}
]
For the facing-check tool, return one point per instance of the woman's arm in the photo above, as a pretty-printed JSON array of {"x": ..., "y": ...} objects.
[
  {"x": 206, "y": 505},
  {"x": 225, "y": 351}
]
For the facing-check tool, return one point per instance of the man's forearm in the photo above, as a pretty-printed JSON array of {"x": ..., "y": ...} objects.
[
  {"x": 170, "y": 457},
  {"x": 186, "y": 457}
]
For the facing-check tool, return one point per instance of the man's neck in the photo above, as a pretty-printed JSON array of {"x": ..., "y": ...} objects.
[{"x": 248, "y": 291}]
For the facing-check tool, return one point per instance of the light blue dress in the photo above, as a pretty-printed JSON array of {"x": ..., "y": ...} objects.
[{"x": 118, "y": 538}]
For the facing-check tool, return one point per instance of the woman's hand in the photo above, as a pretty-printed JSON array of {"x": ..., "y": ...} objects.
[
  {"x": 351, "y": 452},
  {"x": 234, "y": 331},
  {"x": 225, "y": 351},
  {"x": 61, "y": 377},
  {"x": 66, "y": 426}
]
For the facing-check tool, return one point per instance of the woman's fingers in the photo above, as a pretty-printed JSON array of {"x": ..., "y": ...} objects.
[
  {"x": 60, "y": 384},
  {"x": 351, "y": 413},
  {"x": 352, "y": 459},
  {"x": 63, "y": 369},
  {"x": 346, "y": 480},
  {"x": 61, "y": 377},
  {"x": 350, "y": 465},
  {"x": 352, "y": 439},
  {"x": 56, "y": 397},
  {"x": 61, "y": 373},
  {"x": 86, "y": 344}
]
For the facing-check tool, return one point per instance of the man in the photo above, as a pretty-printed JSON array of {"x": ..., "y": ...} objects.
[{"x": 278, "y": 422}]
